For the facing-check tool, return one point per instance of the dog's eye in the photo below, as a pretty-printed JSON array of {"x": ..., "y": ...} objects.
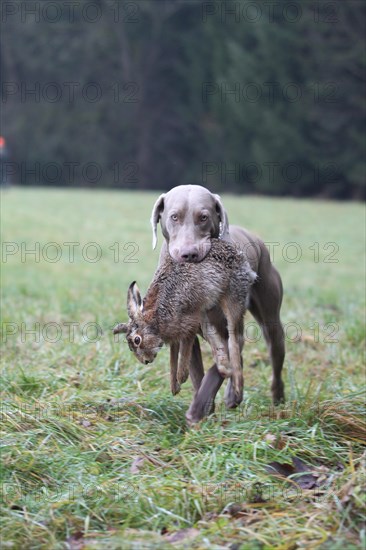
[
  {"x": 137, "y": 340},
  {"x": 174, "y": 217},
  {"x": 204, "y": 218}
]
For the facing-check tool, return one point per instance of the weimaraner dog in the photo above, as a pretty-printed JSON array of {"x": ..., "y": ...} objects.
[{"x": 190, "y": 215}]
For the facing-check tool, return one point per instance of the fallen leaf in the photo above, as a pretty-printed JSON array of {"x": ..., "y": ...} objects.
[
  {"x": 306, "y": 481},
  {"x": 283, "y": 470}
]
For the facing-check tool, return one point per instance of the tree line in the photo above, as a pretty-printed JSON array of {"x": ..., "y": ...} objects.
[{"x": 240, "y": 96}]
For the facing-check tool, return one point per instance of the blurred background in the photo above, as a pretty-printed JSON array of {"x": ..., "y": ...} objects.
[{"x": 239, "y": 96}]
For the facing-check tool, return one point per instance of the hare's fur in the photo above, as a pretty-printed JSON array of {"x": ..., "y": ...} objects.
[{"x": 175, "y": 309}]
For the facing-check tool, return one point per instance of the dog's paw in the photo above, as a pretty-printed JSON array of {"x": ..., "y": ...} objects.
[
  {"x": 199, "y": 410},
  {"x": 234, "y": 393},
  {"x": 278, "y": 393}
]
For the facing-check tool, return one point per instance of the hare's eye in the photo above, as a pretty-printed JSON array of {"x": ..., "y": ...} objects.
[{"x": 137, "y": 340}]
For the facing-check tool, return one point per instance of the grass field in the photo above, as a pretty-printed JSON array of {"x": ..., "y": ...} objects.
[{"x": 95, "y": 450}]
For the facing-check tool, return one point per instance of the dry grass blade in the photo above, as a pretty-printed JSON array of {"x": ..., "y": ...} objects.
[{"x": 348, "y": 419}]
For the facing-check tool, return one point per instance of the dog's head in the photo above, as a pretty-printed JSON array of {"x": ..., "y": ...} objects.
[{"x": 189, "y": 215}]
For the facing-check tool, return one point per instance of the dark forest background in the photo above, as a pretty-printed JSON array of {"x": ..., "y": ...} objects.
[{"x": 248, "y": 97}]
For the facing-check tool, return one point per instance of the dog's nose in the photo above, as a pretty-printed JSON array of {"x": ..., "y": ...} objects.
[
  {"x": 147, "y": 361},
  {"x": 189, "y": 255}
]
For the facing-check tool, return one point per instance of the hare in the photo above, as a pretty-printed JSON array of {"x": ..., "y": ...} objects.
[{"x": 174, "y": 311}]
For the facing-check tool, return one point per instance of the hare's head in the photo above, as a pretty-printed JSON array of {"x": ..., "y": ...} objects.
[{"x": 142, "y": 337}]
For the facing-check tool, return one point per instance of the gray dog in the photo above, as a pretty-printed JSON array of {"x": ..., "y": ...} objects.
[{"x": 190, "y": 215}]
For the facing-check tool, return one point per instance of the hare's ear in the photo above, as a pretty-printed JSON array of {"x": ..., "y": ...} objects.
[
  {"x": 121, "y": 327},
  {"x": 134, "y": 301}
]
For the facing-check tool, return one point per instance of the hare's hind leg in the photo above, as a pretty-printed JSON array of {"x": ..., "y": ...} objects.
[
  {"x": 174, "y": 385},
  {"x": 234, "y": 391},
  {"x": 234, "y": 394},
  {"x": 196, "y": 371},
  {"x": 219, "y": 347},
  {"x": 185, "y": 353}
]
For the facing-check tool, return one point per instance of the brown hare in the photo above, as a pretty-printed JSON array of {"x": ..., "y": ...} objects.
[{"x": 175, "y": 307}]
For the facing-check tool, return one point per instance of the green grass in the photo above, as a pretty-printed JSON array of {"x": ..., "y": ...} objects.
[{"x": 95, "y": 450}]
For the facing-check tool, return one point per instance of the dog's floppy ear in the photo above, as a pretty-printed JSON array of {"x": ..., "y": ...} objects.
[
  {"x": 134, "y": 300},
  {"x": 155, "y": 217},
  {"x": 224, "y": 221}
]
